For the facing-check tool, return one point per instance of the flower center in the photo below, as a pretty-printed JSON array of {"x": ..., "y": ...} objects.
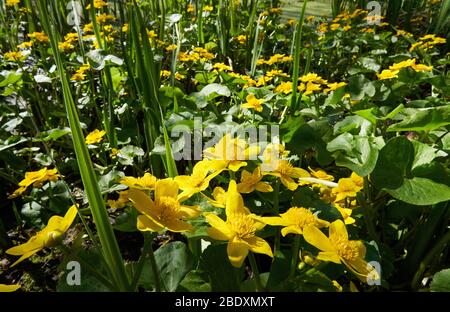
[
  {"x": 302, "y": 216},
  {"x": 242, "y": 225},
  {"x": 284, "y": 167},
  {"x": 346, "y": 249},
  {"x": 169, "y": 208}
]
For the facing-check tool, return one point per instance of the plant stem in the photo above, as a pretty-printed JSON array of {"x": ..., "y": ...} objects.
[
  {"x": 294, "y": 259},
  {"x": 255, "y": 272}
]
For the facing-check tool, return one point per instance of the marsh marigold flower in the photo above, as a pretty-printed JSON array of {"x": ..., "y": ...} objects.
[
  {"x": 231, "y": 153},
  {"x": 286, "y": 172},
  {"x": 95, "y": 136},
  {"x": 253, "y": 103},
  {"x": 284, "y": 87},
  {"x": 295, "y": 220},
  {"x": 146, "y": 182},
  {"x": 348, "y": 187},
  {"x": 388, "y": 74},
  {"x": 11, "y": 3},
  {"x": 47, "y": 237},
  {"x": 35, "y": 178},
  {"x": 202, "y": 173},
  {"x": 239, "y": 229},
  {"x": 38, "y": 36},
  {"x": 252, "y": 181},
  {"x": 339, "y": 249},
  {"x": 165, "y": 211}
]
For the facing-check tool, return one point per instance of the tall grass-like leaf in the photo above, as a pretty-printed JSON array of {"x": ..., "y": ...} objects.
[
  {"x": 442, "y": 23},
  {"x": 296, "y": 68},
  {"x": 110, "y": 248}
]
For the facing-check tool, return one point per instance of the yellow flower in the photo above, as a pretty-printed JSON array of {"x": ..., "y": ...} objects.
[
  {"x": 312, "y": 77},
  {"x": 8, "y": 288},
  {"x": 95, "y": 136},
  {"x": 165, "y": 211},
  {"x": 422, "y": 67},
  {"x": 65, "y": 46},
  {"x": 207, "y": 8},
  {"x": 346, "y": 214},
  {"x": 103, "y": 18},
  {"x": 171, "y": 47},
  {"x": 12, "y": 2},
  {"x": 151, "y": 34},
  {"x": 98, "y": 4},
  {"x": 13, "y": 56},
  {"x": 39, "y": 36},
  {"x": 403, "y": 64},
  {"x": 253, "y": 103},
  {"x": 252, "y": 181},
  {"x": 286, "y": 171},
  {"x": 219, "y": 197},
  {"x": 25, "y": 45},
  {"x": 231, "y": 152},
  {"x": 202, "y": 173},
  {"x": 334, "y": 86},
  {"x": 275, "y": 10},
  {"x": 311, "y": 87},
  {"x": 48, "y": 237},
  {"x": 125, "y": 27},
  {"x": 35, "y": 178},
  {"x": 337, "y": 286},
  {"x": 120, "y": 202},
  {"x": 190, "y": 8},
  {"x": 347, "y": 28},
  {"x": 239, "y": 229},
  {"x": 241, "y": 38},
  {"x": 222, "y": 67},
  {"x": 284, "y": 87},
  {"x": 348, "y": 187},
  {"x": 79, "y": 74},
  {"x": 388, "y": 74},
  {"x": 295, "y": 220},
  {"x": 339, "y": 249},
  {"x": 404, "y": 33},
  {"x": 334, "y": 26},
  {"x": 147, "y": 182}
]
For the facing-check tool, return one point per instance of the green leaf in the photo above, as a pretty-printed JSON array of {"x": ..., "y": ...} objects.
[
  {"x": 393, "y": 173},
  {"x": 173, "y": 260},
  {"x": 195, "y": 281},
  {"x": 424, "y": 120},
  {"x": 358, "y": 153},
  {"x": 441, "y": 281},
  {"x": 214, "y": 261}
]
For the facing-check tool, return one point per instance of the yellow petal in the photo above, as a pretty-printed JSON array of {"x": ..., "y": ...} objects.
[
  {"x": 259, "y": 245},
  {"x": 178, "y": 226},
  {"x": 221, "y": 230},
  {"x": 237, "y": 252},
  {"x": 291, "y": 229},
  {"x": 145, "y": 224},
  {"x": 338, "y": 228},
  {"x": 190, "y": 211},
  {"x": 142, "y": 202},
  {"x": 316, "y": 238},
  {"x": 25, "y": 256},
  {"x": 329, "y": 256},
  {"x": 274, "y": 221},
  {"x": 184, "y": 182},
  {"x": 68, "y": 219},
  {"x": 33, "y": 243},
  {"x": 300, "y": 173},
  {"x": 8, "y": 288},
  {"x": 263, "y": 187},
  {"x": 235, "y": 165},
  {"x": 288, "y": 182},
  {"x": 166, "y": 187},
  {"x": 234, "y": 202}
]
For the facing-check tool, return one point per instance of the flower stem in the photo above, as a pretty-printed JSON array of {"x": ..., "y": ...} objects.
[
  {"x": 140, "y": 266},
  {"x": 294, "y": 259},
  {"x": 255, "y": 272}
]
